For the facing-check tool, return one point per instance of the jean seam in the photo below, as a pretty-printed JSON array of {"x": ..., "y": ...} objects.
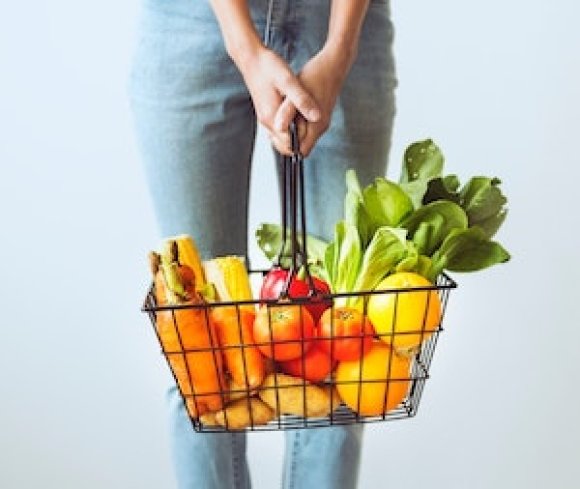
[
  {"x": 293, "y": 460},
  {"x": 235, "y": 462}
]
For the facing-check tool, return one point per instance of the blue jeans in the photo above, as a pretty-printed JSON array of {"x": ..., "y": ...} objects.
[{"x": 196, "y": 127}]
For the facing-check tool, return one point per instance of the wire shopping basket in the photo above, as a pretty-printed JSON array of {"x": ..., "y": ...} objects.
[{"x": 314, "y": 360}]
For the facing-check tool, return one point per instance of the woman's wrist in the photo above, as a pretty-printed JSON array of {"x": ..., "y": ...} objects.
[
  {"x": 342, "y": 53},
  {"x": 243, "y": 47},
  {"x": 241, "y": 39},
  {"x": 345, "y": 24}
]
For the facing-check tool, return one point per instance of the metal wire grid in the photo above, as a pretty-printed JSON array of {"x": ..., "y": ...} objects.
[{"x": 341, "y": 415}]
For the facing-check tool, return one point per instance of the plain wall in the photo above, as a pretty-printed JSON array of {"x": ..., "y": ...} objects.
[{"x": 495, "y": 83}]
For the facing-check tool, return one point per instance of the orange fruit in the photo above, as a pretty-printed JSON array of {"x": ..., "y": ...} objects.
[
  {"x": 314, "y": 366},
  {"x": 378, "y": 364},
  {"x": 283, "y": 331},
  {"x": 345, "y": 333},
  {"x": 405, "y": 318}
]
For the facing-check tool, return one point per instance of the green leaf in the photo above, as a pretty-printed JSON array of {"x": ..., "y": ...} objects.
[
  {"x": 386, "y": 203},
  {"x": 415, "y": 190},
  {"x": 413, "y": 261},
  {"x": 354, "y": 210},
  {"x": 426, "y": 235},
  {"x": 352, "y": 183},
  {"x": 423, "y": 266},
  {"x": 423, "y": 160},
  {"x": 400, "y": 233},
  {"x": 492, "y": 223},
  {"x": 429, "y": 225},
  {"x": 332, "y": 254},
  {"x": 330, "y": 261},
  {"x": 382, "y": 255},
  {"x": 410, "y": 259},
  {"x": 484, "y": 203},
  {"x": 269, "y": 238},
  {"x": 349, "y": 257},
  {"x": 352, "y": 205},
  {"x": 442, "y": 189},
  {"x": 468, "y": 250}
]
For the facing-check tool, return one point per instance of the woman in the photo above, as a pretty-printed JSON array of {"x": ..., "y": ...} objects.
[{"x": 205, "y": 72}]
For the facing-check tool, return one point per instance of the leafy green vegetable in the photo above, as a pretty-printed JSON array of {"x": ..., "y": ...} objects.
[
  {"x": 467, "y": 250},
  {"x": 425, "y": 224},
  {"x": 484, "y": 204},
  {"x": 422, "y": 162},
  {"x": 354, "y": 208},
  {"x": 491, "y": 224},
  {"x": 332, "y": 254},
  {"x": 349, "y": 257},
  {"x": 384, "y": 251},
  {"x": 269, "y": 237},
  {"x": 386, "y": 203},
  {"x": 352, "y": 183},
  {"x": 413, "y": 261},
  {"x": 382, "y": 203},
  {"x": 442, "y": 188},
  {"x": 400, "y": 233},
  {"x": 429, "y": 225},
  {"x": 331, "y": 262}
]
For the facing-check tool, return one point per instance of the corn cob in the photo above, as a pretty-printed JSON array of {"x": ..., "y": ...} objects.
[
  {"x": 234, "y": 324},
  {"x": 230, "y": 279},
  {"x": 189, "y": 256}
]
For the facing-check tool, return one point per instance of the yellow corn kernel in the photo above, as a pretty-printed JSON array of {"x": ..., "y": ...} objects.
[{"x": 230, "y": 279}]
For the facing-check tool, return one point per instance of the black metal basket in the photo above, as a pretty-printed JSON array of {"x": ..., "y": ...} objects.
[
  {"x": 338, "y": 412},
  {"x": 394, "y": 393}
]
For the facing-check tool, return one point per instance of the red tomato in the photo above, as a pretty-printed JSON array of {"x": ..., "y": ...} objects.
[
  {"x": 314, "y": 366},
  {"x": 275, "y": 280},
  {"x": 283, "y": 331},
  {"x": 345, "y": 333}
]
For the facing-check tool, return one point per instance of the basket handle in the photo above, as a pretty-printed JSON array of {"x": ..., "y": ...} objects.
[{"x": 293, "y": 209}]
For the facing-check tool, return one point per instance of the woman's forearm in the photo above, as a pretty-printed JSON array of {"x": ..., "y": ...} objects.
[
  {"x": 346, "y": 20},
  {"x": 238, "y": 31},
  {"x": 324, "y": 74},
  {"x": 268, "y": 77}
]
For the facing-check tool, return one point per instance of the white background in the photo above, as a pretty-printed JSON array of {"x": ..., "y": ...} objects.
[{"x": 496, "y": 83}]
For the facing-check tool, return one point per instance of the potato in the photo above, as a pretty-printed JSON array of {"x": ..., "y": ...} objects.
[
  {"x": 336, "y": 399},
  {"x": 238, "y": 416},
  {"x": 209, "y": 419},
  {"x": 290, "y": 396},
  {"x": 238, "y": 391},
  {"x": 192, "y": 406}
]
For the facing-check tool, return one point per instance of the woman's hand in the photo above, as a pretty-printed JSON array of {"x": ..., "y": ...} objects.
[
  {"x": 268, "y": 77},
  {"x": 270, "y": 82},
  {"x": 278, "y": 95},
  {"x": 322, "y": 76}
]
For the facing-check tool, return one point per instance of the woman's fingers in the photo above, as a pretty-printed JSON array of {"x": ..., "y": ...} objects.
[
  {"x": 291, "y": 88},
  {"x": 281, "y": 138},
  {"x": 285, "y": 115},
  {"x": 281, "y": 142}
]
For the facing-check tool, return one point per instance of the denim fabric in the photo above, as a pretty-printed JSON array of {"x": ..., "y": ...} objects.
[{"x": 196, "y": 127}]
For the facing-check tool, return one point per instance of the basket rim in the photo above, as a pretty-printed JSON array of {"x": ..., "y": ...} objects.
[{"x": 448, "y": 284}]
